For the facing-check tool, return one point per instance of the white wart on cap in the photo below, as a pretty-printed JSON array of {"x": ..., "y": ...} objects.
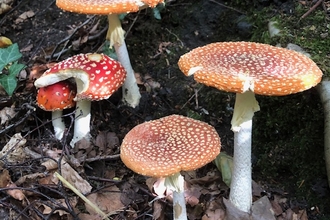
[{"x": 168, "y": 145}]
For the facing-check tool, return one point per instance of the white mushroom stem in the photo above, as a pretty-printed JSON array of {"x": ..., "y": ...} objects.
[
  {"x": 82, "y": 121},
  {"x": 241, "y": 182},
  {"x": 324, "y": 91},
  {"x": 83, "y": 107},
  {"x": 58, "y": 124},
  {"x": 176, "y": 184},
  {"x": 131, "y": 92}
]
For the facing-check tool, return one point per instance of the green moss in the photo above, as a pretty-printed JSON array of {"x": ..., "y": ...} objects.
[{"x": 310, "y": 33}]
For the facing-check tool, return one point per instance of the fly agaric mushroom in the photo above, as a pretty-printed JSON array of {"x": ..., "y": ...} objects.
[
  {"x": 97, "y": 77},
  {"x": 131, "y": 93},
  {"x": 162, "y": 148},
  {"x": 55, "y": 98},
  {"x": 246, "y": 69}
]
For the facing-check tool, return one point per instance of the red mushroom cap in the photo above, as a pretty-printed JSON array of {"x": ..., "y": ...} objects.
[
  {"x": 104, "y": 7},
  {"x": 97, "y": 75},
  {"x": 241, "y": 66},
  {"x": 58, "y": 96},
  {"x": 165, "y": 146}
]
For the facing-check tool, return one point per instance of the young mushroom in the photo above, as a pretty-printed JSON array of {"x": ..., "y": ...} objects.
[
  {"x": 97, "y": 77},
  {"x": 248, "y": 68},
  {"x": 55, "y": 98},
  {"x": 112, "y": 8},
  {"x": 162, "y": 148}
]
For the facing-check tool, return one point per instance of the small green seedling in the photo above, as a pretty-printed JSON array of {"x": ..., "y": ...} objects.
[{"x": 9, "y": 67}]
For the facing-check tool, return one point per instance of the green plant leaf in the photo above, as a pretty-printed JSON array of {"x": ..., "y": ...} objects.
[
  {"x": 15, "y": 68},
  {"x": 156, "y": 11},
  {"x": 9, "y": 81},
  {"x": 8, "y": 55},
  {"x": 224, "y": 163}
]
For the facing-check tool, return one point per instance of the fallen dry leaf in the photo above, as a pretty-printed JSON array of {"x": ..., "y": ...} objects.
[
  {"x": 262, "y": 209},
  {"x": 50, "y": 164},
  {"x": 35, "y": 72},
  {"x": 4, "y": 41},
  {"x": 159, "y": 210},
  {"x": 70, "y": 175},
  {"x": 192, "y": 194},
  {"x": 4, "y": 178},
  {"x": 72, "y": 200},
  {"x": 6, "y": 182},
  {"x": 5, "y": 6},
  {"x": 232, "y": 212},
  {"x": 138, "y": 78},
  {"x": 106, "y": 141},
  {"x": 107, "y": 199},
  {"x": 150, "y": 84},
  {"x": 29, "y": 178},
  {"x": 214, "y": 211},
  {"x": 24, "y": 16},
  {"x": 15, "y": 193},
  {"x": 27, "y": 48},
  {"x": 13, "y": 150},
  {"x": 7, "y": 113}
]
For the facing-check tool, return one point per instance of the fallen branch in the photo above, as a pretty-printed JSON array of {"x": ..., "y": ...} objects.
[{"x": 311, "y": 9}]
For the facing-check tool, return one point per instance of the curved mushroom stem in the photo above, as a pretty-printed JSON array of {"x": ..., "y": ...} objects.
[
  {"x": 58, "y": 124},
  {"x": 324, "y": 91},
  {"x": 241, "y": 183},
  {"x": 82, "y": 121},
  {"x": 131, "y": 92},
  {"x": 176, "y": 184}
]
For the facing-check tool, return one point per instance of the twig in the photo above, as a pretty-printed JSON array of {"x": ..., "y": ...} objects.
[
  {"x": 311, "y": 9},
  {"x": 225, "y": 6},
  {"x": 29, "y": 112},
  {"x": 66, "y": 183},
  {"x": 70, "y": 36},
  {"x": 191, "y": 97},
  {"x": 134, "y": 21},
  {"x": 8, "y": 13},
  {"x": 107, "y": 157}
]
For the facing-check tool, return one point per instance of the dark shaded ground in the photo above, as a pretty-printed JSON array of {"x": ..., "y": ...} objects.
[{"x": 287, "y": 138}]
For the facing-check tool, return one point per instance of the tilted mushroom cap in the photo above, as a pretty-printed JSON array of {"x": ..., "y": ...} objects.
[
  {"x": 241, "y": 66},
  {"x": 97, "y": 75},
  {"x": 165, "y": 146},
  {"x": 104, "y": 7},
  {"x": 58, "y": 96}
]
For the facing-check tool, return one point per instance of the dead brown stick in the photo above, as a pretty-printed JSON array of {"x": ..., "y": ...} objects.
[
  {"x": 311, "y": 9},
  {"x": 225, "y": 6}
]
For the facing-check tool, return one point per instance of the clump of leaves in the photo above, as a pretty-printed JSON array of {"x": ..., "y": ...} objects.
[{"x": 9, "y": 67}]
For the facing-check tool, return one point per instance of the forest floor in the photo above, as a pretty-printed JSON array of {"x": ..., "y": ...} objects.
[{"x": 288, "y": 158}]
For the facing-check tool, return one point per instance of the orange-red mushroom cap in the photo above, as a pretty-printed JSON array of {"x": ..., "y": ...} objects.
[
  {"x": 105, "y": 7},
  {"x": 97, "y": 75},
  {"x": 241, "y": 66},
  {"x": 168, "y": 145},
  {"x": 58, "y": 96}
]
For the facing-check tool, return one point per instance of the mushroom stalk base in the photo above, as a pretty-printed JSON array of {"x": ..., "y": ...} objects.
[
  {"x": 58, "y": 124},
  {"x": 131, "y": 92},
  {"x": 82, "y": 121},
  {"x": 241, "y": 182},
  {"x": 176, "y": 184},
  {"x": 324, "y": 91}
]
